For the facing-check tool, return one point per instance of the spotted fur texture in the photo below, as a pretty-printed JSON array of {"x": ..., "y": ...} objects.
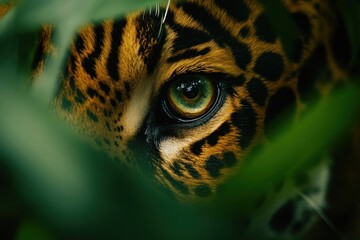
[
  {"x": 118, "y": 70},
  {"x": 115, "y": 82}
]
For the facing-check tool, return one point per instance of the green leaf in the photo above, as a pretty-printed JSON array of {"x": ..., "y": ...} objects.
[
  {"x": 35, "y": 12},
  {"x": 79, "y": 191},
  {"x": 33, "y": 230},
  {"x": 292, "y": 151}
]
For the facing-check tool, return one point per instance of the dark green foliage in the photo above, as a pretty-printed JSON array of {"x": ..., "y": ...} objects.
[{"x": 53, "y": 185}]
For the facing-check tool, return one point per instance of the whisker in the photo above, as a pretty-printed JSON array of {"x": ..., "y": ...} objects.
[
  {"x": 322, "y": 215},
  {"x": 163, "y": 18},
  {"x": 166, "y": 11},
  {"x": 157, "y": 11}
]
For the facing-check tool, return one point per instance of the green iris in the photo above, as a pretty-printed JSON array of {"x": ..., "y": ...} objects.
[{"x": 192, "y": 96}]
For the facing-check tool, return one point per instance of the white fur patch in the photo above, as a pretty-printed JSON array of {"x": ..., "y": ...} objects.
[
  {"x": 171, "y": 148},
  {"x": 137, "y": 108}
]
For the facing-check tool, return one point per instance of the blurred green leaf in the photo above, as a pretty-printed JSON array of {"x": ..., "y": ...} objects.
[
  {"x": 8, "y": 51},
  {"x": 292, "y": 151},
  {"x": 33, "y": 230},
  {"x": 43, "y": 160},
  {"x": 35, "y": 12},
  {"x": 80, "y": 192}
]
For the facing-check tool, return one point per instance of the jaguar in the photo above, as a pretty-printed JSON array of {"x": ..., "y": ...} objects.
[{"x": 187, "y": 89}]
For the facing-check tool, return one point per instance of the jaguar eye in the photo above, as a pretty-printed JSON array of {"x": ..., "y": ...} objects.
[{"x": 192, "y": 96}]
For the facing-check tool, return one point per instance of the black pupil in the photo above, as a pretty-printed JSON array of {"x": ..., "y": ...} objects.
[{"x": 189, "y": 89}]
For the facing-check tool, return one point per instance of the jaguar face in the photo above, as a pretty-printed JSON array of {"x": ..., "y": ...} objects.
[{"x": 187, "y": 90}]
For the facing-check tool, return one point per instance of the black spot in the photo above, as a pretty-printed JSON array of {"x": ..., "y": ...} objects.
[
  {"x": 182, "y": 40},
  {"x": 239, "y": 81},
  {"x": 192, "y": 171},
  {"x": 66, "y": 104},
  {"x": 79, "y": 98},
  {"x": 79, "y": 44},
  {"x": 311, "y": 72},
  {"x": 303, "y": 23},
  {"x": 102, "y": 99},
  {"x": 202, "y": 190},
  {"x": 245, "y": 120},
  {"x": 104, "y": 87},
  {"x": 283, "y": 100},
  {"x": 270, "y": 66},
  {"x": 188, "y": 54},
  {"x": 90, "y": 62},
  {"x": 39, "y": 54},
  {"x": 92, "y": 115},
  {"x": 112, "y": 64},
  {"x": 92, "y": 92},
  {"x": 283, "y": 217},
  {"x": 176, "y": 168},
  {"x": 236, "y": 9},
  {"x": 72, "y": 63},
  {"x": 196, "y": 148},
  {"x": 258, "y": 91},
  {"x": 244, "y": 32},
  {"x": 264, "y": 30},
  {"x": 218, "y": 33},
  {"x": 213, "y": 165},
  {"x": 213, "y": 138},
  {"x": 118, "y": 95},
  {"x": 180, "y": 186},
  {"x": 317, "y": 7},
  {"x": 229, "y": 159},
  {"x": 72, "y": 83},
  {"x": 113, "y": 102}
]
